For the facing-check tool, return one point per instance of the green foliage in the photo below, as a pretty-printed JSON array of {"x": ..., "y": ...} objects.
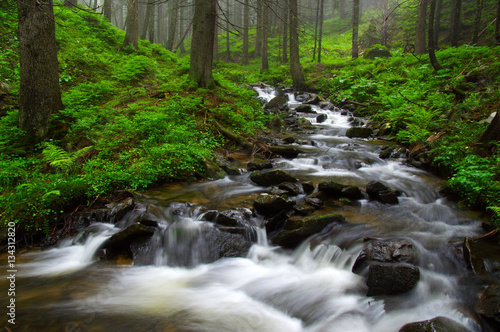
[{"x": 59, "y": 159}]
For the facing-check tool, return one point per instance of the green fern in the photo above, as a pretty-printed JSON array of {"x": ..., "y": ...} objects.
[{"x": 60, "y": 159}]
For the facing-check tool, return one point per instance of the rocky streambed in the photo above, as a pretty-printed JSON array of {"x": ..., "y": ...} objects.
[{"x": 326, "y": 228}]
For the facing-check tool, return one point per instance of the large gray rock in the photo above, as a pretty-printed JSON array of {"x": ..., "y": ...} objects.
[
  {"x": 271, "y": 204},
  {"x": 120, "y": 209},
  {"x": 272, "y": 177},
  {"x": 231, "y": 218},
  {"x": 397, "y": 251},
  {"x": 391, "y": 279},
  {"x": 304, "y": 109},
  {"x": 437, "y": 324},
  {"x": 119, "y": 244},
  {"x": 332, "y": 188},
  {"x": 359, "y": 132},
  {"x": 297, "y": 229},
  {"x": 472, "y": 257},
  {"x": 277, "y": 104},
  {"x": 378, "y": 191}
]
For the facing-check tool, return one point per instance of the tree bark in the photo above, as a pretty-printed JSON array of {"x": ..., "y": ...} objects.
[
  {"x": 286, "y": 12},
  {"x": 420, "y": 30},
  {"x": 132, "y": 22},
  {"x": 437, "y": 23},
  {"x": 70, "y": 3},
  {"x": 258, "y": 39},
  {"x": 174, "y": 16},
  {"x": 492, "y": 133},
  {"x": 355, "y": 26},
  {"x": 107, "y": 9},
  {"x": 321, "y": 18},
  {"x": 228, "y": 33},
  {"x": 432, "y": 54},
  {"x": 295, "y": 68},
  {"x": 497, "y": 25},
  {"x": 246, "y": 26},
  {"x": 202, "y": 43},
  {"x": 147, "y": 19},
  {"x": 456, "y": 11},
  {"x": 477, "y": 21},
  {"x": 39, "y": 92},
  {"x": 264, "y": 64}
]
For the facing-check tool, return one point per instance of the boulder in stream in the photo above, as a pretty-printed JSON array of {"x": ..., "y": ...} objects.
[
  {"x": 472, "y": 257},
  {"x": 118, "y": 245},
  {"x": 391, "y": 279},
  {"x": 277, "y": 104},
  {"x": 437, "y": 324},
  {"x": 272, "y": 177},
  {"x": 120, "y": 209},
  {"x": 321, "y": 118},
  {"x": 359, "y": 132},
  {"x": 297, "y": 229},
  {"x": 488, "y": 305},
  {"x": 304, "y": 109},
  {"x": 231, "y": 218},
  {"x": 394, "y": 251},
  {"x": 378, "y": 191},
  {"x": 271, "y": 204}
]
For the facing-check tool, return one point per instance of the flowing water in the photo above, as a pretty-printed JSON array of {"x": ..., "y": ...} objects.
[{"x": 173, "y": 287}]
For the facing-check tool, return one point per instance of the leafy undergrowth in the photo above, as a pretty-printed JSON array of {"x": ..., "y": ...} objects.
[{"x": 131, "y": 121}]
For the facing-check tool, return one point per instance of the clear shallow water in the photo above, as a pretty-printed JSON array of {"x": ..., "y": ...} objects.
[{"x": 309, "y": 289}]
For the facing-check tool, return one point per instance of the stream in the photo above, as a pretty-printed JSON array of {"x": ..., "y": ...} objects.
[{"x": 175, "y": 285}]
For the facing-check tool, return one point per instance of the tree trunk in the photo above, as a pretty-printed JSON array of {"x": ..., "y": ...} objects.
[
  {"x": 132, "y": 22},
  {"x": 264, "y": 63},
  {"x": 70, "y": 3},
  {"x": 246, "y": 26},
  {"x": 497, "y": 25},
  {"x": 437, "y": 23},
  {"x": 107, "y": 9},
  {"x": 39, "y": 91},
  {"x": 420, "y": 30},
  {"x": 477, "y": 21},
  {"x": 343, "y": 14},
  {"x": 316, "y": 31},
  {"x": 432, "y": 55},
  {"x": 228, "y": 33},
  {"x": 172, "y": 24},
  {"x": 286, "y": 12},
  {"x": 295, "y": 68},
  {"x": 202, "y": 43},
  {"x": 258, "y": 39},
  {"x": 147, "y": 18},
  {"x": 355, "y": 26},
  {"x": 492, "y": 133},
  {"x": 455, "y": 22},
  {"x": 321, "y": 18}
]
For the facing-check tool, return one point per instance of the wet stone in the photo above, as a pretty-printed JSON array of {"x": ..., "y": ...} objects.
[
  {"x": 271, "y": 204},
  {"x": 391, "y": 279},
  {"x": 291, "y": 189},
  {"x": 472, "y": 258},
  {"x": 359, "y": 132},
  {"x": 488, "y": 305},
  {"x": 272, "y": 177},
  {"x": 437, "y": 324}
]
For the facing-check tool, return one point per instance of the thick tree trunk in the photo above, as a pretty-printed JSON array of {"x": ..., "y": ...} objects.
[
  {"x": 355, "y": 26},
  {"x": 132, "y": 22},
  {"x": 420, "y": 30},
  {"x": 202, "y": 43},
  {"x": 456, "y": 11},
  {"x": 39, "y": 92},
  {"x": 228, "y": 33},
  {"x": 147, "y": 19},
  {"x": 264, "y": 63},
  {"x": 437, "y": 23},
  {"x": 107, "y": 9},
  {"x": 316, "y": 31},
  {"x": 295, "y": 68},
  {"x": 477, "y": 21},
  {"x": 70, "y": 3},
  {"x": 174, "y": 15},
  {"x": 432, "y": 53},
  {"x": 492, "y": 133},
  {"x": 246, "y": 26}
]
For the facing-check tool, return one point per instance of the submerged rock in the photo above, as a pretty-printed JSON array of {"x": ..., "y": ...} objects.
[
  {"x": 271, "y": 204},
  {"x": 119, "y": 243},
  {"x": 488, "y": 305},
  {"x": 437, "y": 324},
  {"x": 378, "y": 191}
]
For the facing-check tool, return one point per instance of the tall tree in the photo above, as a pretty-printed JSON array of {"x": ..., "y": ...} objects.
[
  {"x": 455, "y": 22},
  {"x": 132, "y": 24},
  {"x": 497, "y": 25},
  {"x": 39, "y": 92},
  {"x": 228, "y": 34},
  {"x": 321, "y": 18},
  {"x": 286, "y": 12},
  {"x": 258, "y": 38},
  {"x": 107, "y": 9},
  {"x": 148, "y": 21},
  {"x": 295, "y": 68},
  {"x": 421, "y": 27},
  {"x": 437, "y": 23},
  {"x": 246, "y": 26},
  {"x": 492, "y": 133},
  {"x": 70, "y": 3},
  {"x": 477, "y": 21},
  {"x": 172, "y": 25},
  {"x": 430, "y": 39},
  {"x": 202, "y": 43},
  {"x": 264, "y": 64},
  {"x": 355, "y": 26}
]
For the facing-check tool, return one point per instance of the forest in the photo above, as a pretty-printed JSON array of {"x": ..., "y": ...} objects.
[
  {"x": 128, "y": 108},
  {"x": 250, "y": 165}
]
